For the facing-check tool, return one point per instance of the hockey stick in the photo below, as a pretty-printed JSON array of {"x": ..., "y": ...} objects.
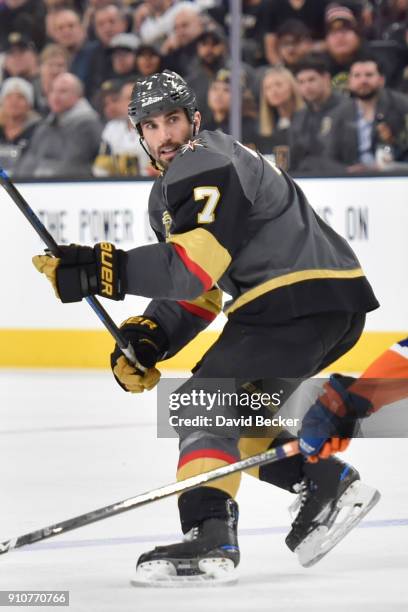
[
  {"x": 44, "y": 234},
  {"x": 270, "y": 456}
]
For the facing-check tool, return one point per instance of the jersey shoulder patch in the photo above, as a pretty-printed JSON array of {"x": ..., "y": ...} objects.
[{"x": 197, "y": 157}]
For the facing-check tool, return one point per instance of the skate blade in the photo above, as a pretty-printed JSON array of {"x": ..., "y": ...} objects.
[
  {"x": 358, "y": 499},
  {"x": 163, "y": 574}
]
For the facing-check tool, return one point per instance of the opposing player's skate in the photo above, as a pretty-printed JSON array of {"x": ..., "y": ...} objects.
[
  {"x": 323, "y": 518},
  {"x": 208, "y": 555}
]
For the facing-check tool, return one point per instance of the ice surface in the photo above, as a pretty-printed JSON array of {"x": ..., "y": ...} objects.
[{"x": 72, "y": 441}]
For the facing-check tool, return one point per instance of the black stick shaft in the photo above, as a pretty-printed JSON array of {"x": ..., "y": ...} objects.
[
  {"x": 44, "y": 234},
  {"x": 270, "y": 456}
]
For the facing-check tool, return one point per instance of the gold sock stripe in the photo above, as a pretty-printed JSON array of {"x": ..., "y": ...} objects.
[{"x": 229, "y": 484}]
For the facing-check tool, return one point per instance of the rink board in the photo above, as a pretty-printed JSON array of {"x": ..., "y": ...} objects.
[{"x": 37, "y": 331}]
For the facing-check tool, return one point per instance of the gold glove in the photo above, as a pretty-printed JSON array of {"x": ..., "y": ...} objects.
[
  {"x": 48, "y": 265},
  {"x": 132, "y": 380}
]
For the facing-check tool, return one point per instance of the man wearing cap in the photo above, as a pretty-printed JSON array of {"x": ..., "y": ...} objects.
[
  {"x": 309, "y": 12},
  {"x": 67, "y": 140},
  {"x": 294, "y": 42},
  {"x": 17, "y": 121},
  {"x": 344, "y": 42},
  {"x": 122, "y": 49},
  {"x": 212, "y": 56},
  {"x": 26, "y": 16},
  {"x": 148, "y": 60},
  {"x": 219, "y": 105},
  {"x": 21, "y": 58},
  {"x": 108, "y": 21},
  {"x": 108, "y": 100}
]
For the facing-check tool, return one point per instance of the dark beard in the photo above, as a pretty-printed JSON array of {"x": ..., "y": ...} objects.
[{"x": 365, "y": 97}]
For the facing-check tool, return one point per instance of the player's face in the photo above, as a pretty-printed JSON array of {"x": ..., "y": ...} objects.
[
  {"x": 165, "y": 133},
  {"x": 365, "y": 80}
]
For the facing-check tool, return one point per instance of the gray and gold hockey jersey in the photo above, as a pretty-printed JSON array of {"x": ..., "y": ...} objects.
[{"x": 229, "y": 221}]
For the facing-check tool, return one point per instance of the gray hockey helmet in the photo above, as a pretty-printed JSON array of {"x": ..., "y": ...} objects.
[{"x": 160, "y": 93}]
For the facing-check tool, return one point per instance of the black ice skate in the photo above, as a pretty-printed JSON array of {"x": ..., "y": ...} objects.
[
  {"x": 209, "y": 553},
  {"x": 326, "y": 516}
]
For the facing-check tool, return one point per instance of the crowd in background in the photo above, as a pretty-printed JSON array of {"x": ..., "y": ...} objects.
[{"x": 324, "y": 84}]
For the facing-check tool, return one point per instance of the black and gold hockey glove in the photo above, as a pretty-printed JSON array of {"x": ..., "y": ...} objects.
[
  {"x": 81, "y": 271},
  {"x": 150, "y": 344}
]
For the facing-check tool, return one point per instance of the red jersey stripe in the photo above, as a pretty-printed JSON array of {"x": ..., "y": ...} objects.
[
  {"x": 194, "y": 268},
  {"x": 200, "y": 312}
]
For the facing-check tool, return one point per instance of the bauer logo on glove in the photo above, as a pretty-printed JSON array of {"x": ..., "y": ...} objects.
[{"x": 81, "y": 271}]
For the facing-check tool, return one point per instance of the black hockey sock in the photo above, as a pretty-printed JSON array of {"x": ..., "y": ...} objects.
[
  {"x": 200, "y": 504},
  {"x": 285, "y": 473}
]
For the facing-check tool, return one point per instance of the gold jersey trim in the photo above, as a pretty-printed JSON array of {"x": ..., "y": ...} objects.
[
  {"x": 291, "y": 279},
  {"x": 210, "y": 300},
  {"x": 204, "y": 250}
]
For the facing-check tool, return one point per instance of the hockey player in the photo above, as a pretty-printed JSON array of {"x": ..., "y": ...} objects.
[
  {"x": 227, "y": 220},
  {"x": 330, "y": 423}
]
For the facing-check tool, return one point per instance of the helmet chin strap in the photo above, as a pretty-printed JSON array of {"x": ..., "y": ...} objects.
[{"x": 156, "y": 164}]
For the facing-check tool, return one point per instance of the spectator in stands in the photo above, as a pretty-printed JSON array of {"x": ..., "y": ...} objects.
[
  {"x": 389, "y": 15},
  {"x": 149, "y": 60},
  {"x": 120, "y": 151},
  {"x": 310, "y": 12},
  {"x": 154, "y": 19},
  {"x": 254, "y": 16},
  {"x": 212, "y": 55},
  {"x": 344, "y": 43},
  {"x": 395, "y": 44},
  {"x": 180, "y": 47},
  {"x": 373, "y": 121},
  {"x": 69, "y": 32},
  {"x": 17, "y": 121},
  {"x": 109, "y": 101},
  {"x": 66, "y": 142},
  {"x": 311, "y": 125},
  {"x": 122, "y": 49},
  {"x": 20, "y": 58},
  {"x": 219, "y": 105},
  {"x": 279, "y": 100},
  {"x": 294, "y": 42},
  {"x": 53, "y": 61},
  {"x": 108, "y": 21},
  {"x": 24, "y": 16}
]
